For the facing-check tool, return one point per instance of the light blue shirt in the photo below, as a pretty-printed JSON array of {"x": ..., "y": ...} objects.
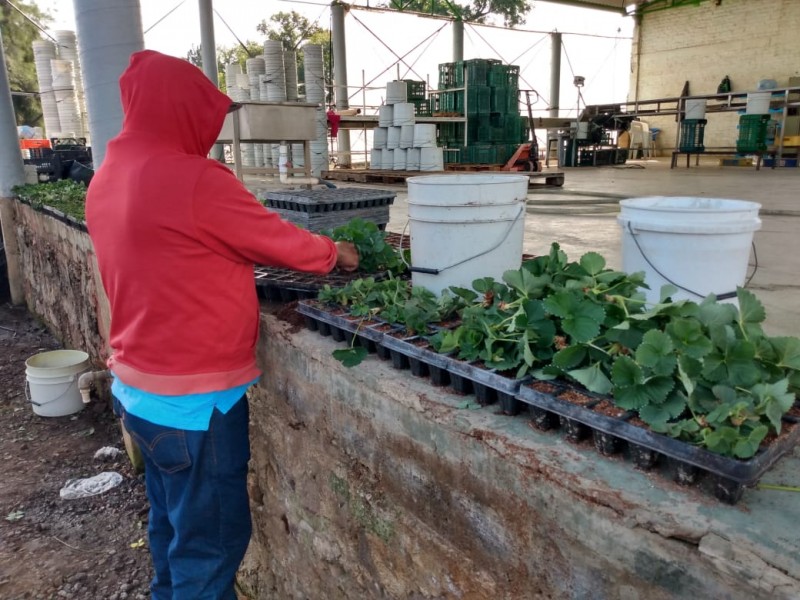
[{"x": 191, "y": 412}]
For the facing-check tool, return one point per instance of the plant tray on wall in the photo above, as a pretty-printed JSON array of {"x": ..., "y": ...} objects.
[
  {"x": 723, "y": 476},
  {"x": 612, "y": 431}
]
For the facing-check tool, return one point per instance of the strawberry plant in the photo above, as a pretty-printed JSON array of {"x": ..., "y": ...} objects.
[
  {"x": 65, "y": 195},
  {"x": 374, "y": 253}
]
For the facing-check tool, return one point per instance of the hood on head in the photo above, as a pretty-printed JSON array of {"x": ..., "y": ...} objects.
[{"x": 172, "y": 100}]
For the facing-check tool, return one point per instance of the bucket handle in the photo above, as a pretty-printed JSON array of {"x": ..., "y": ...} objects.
[
  {"x": 59, "y": 397},
  {"x": 724, "y": 296},
  {"x": 431, "y": 271}
]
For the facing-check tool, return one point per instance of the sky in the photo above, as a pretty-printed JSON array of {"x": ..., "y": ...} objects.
[{"x": 375, "y": 40}]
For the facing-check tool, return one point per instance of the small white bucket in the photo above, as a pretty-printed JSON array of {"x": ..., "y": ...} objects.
[
  {"x": 52, "y": 378},
  {"x": 403, "y": 114},
  {"x": 393, "y": 138},
  {"x": 385, "y": 115},
  {"x": 424, "y": 135},
  {"x": 375, "y": 158},
  {"x": 379, "y": 137},
  {"x": 406, "y": 136},
  {"x": 695, "y": 109},
  {"x": 399, "y": 160},
  {"x": 431, "y": 159},
  {"x": 396, "y": 91},
  {"x": 412, "y": 159},
  {"x": 758, "y": 103},
  {"x": 465, "y": 227},
  {"x": 699, "y": 245},
  {"x": 387, "y": 160}
]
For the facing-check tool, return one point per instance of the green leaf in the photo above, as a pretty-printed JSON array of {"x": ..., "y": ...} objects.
[
  {"x": 750, "y": 308},
  {"x": 15, "y": 515},
  {"x": 593, "y": 263},
  {"x": 787, "y": 351},
  {"x": 569, "y": 357},
  {"x": 747, "y": 447},
  {"x": 655, "y": 352},
  {"x": 625, "y": 372},
  {"x": 592, "y": 378},
  {"x": 350, "y": 357},
  {"x": 689, "y": 338},
  {"x": 661, "y": 413},
  {"x": 714, "y": 313},
  {"x": 667, "y": 291}
]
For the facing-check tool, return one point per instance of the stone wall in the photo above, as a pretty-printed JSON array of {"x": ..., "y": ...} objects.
[
  {"x": 61, "y": 281},
  {"x": 703, "y": 43},
  {"x": 369, "y": 483}
]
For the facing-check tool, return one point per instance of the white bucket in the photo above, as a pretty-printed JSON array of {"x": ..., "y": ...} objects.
[
  {"x": 379, "y": 137},
  {"x": 403, "y": 114},
  {"x": 465, "y": 227},
  {"x": 695, "y": 109},
  {"x": 387, "y": 160},
  {"x": 412, "y": 159},
  {"x": 406, "y": 136},
  {"x": 375, "y": 158},
  {"x": 393, "y": 137},
  {"x": 424, "y": 135},
  {"x": 396, "y": 91},
  {"x": 385, "y": 115},
  {"x": 758, "y": 103},
  {"x": 700, "y": 245},
  {"x": 52, "y": 378},
  {"x": 399, "y": 159},
  {"x": 431, "y": 159}
]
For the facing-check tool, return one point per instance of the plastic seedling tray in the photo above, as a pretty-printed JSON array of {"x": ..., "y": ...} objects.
[{"x": 687, "y": 464}]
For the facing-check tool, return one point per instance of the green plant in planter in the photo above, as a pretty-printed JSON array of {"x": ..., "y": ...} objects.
[
  {"x": 375, "y": 254},
  {"x": 65, "y": 195}
]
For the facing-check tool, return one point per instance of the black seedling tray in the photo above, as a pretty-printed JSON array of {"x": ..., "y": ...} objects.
[
  {"x": 323, "y": 201},
  {"x": 284, "y": 285},
  {"x": 723, "y": 476}
]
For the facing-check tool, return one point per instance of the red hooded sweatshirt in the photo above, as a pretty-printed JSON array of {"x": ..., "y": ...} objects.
[{"x": 176, "y": 237}]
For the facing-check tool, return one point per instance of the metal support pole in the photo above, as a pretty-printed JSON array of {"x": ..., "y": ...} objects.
[
  {"x": 555, "y": 72},
  {"x": 458, "y": 40},
  {"x": 12, "y": 172},
  {"x": 208, "y": 49},
  {"x": 340, "y": 77}
]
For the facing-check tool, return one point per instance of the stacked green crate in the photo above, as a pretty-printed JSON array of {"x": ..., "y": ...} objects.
[
  {"x": 415, "y": 94},
  {"x": 489, "y": 98}
]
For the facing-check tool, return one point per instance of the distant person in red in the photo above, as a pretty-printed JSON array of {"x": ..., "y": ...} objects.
[{"x": 176, "y": 237}]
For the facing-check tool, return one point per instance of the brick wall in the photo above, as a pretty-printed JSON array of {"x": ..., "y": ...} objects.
[{"x": 748, "y": 40}]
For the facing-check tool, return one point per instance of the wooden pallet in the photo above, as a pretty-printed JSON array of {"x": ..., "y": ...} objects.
[{"x": 550, "y": 178}]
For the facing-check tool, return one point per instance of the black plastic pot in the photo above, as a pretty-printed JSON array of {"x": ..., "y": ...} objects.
[{"x": 723, "y": 476}]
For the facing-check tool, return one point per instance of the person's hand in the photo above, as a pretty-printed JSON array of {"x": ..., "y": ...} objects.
[{"x": 346, "y": 256}]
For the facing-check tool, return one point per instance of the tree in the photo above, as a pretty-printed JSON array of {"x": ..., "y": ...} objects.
[
  {"x": 18, "y": 37},
  {"x": 291, "y": 29},
  {"x": 512, "y": 11},
  {"x": 226, "y": 56}
]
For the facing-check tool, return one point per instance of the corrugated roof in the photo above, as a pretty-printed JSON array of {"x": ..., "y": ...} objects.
[{"x": 615, "y": 5}]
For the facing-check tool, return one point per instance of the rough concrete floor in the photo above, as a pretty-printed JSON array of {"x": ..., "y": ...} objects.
[{"x": 582, "y": 217}]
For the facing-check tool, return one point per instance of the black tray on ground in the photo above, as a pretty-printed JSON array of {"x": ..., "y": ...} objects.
[{"x": 725, "y": 476}]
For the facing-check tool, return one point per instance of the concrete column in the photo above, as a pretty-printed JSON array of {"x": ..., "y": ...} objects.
[
  {"x": 12, "y": 173},
  {"x": 340, "y": 77},
  {"x": 555, "y": 72},
  {"x": 458, "y": 40},
  {"x": 109, "y": 31}
]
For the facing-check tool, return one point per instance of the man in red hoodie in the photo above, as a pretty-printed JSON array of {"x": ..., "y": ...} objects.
[{"x": 176, "y": 237}]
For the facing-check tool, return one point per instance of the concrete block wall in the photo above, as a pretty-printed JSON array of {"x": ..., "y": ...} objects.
[{"x": 744, "y": 39}]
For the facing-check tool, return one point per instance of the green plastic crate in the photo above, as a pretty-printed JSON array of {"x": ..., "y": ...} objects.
[
  {"x": 506, "y": 76},
  {"x": 691, "y": 136},
  {"x": 752, "y": 133},
  {"x": 415, "y": 90}
]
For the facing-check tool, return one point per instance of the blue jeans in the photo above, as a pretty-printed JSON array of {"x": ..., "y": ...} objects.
[{"x": 199, "y": 524}]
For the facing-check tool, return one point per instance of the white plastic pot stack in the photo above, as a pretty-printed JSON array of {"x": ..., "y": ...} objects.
[{"x": 43, "y": 52}]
